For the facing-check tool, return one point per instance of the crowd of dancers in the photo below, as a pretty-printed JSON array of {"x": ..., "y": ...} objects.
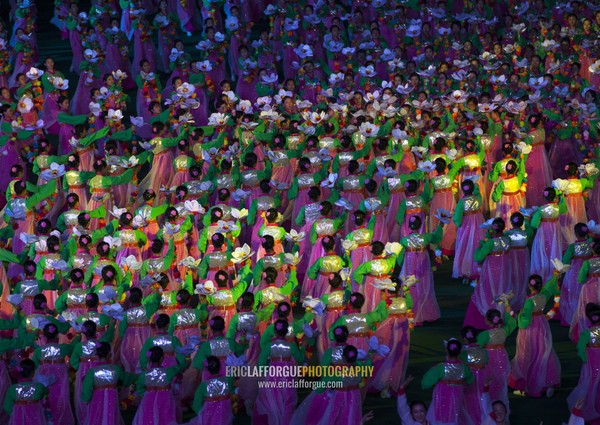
[{"x": 281, "y": 193}]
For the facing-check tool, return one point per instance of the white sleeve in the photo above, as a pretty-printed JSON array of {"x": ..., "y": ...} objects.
[
  {"x": 575, "y": 420},
  {"x": 486, "y": 405},
  {"x": 404, "y": 411}
]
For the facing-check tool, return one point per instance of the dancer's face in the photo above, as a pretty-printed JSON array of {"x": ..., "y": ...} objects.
[
  {"x": 418, "y": 413},
  {"x": 500, "y": 413}
]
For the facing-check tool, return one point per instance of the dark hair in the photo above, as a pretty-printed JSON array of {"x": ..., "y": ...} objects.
[
  {"x": 440, "y": 165},
  {"x": 281, "y": 327},
  {"x": 103, "y": 350},
  {"x": 135, "y": 295},
  {"x": 571, "y": 169},
  {"x": 335, "y": 280},
  {"x": 377, "y": 248},
  {"x": 270, "y": 275},
  {"x": 453, "y": 347},
  {"x": 581, "y": 230},
  {"x": 314, "y": 193},
  {"x": 217, "y": 324},
  {"x": 549, "y": 194},
  {"x": 216, "y": 214},
  {"x": 271, "y": 215},
  {"x": 156, "y": 354},
  {"x": 247, "y": 300},
  {"x": 217, "y": 240},
  {"x": 370, "y": 185},
  {"x": 109, "y": 273},
  {"x": 29, "y": 268},
  {"x": 91, "y": 300},
  {"x": 414, "y": 222},
  {"x": 326, "y": 208},
  {"x": 182, "y": 296},
  {"x": 72, "y": 200},
  {"x": 411, "y": 186},
  {"x": 498, "y": 225},
  {"x": 517, "y": 219},
  {"x": 535, "y": 281},
  {"x": 83, "y": 219},
  {"x": 39, "y": 302},
  {"x": 467, "y": 187},
  {"x": 494, "y": 316},
  {"x": 592, "y": 312},
  {"x": 102, "y": 248},
  {"x": 357, "y": 300},
  {"x": 511, "y": 167},
  {"x": 221, "y": 278},
  {"x": 328, "y": 243},
  {"x": 340, "y": 334},
  {"x": 469, "y": 334},
  {"x": 359, "y": 217},
  {"x": 350, "y": 354},
  {"x": 213, "y": 365},
  {"x": 26, "y": 368},
  {"x": 44, "y": 226},
  {"x": 157, "y": 246},
  {"x": 163, "y": 321},
  {"x": 268, "y": 242},
  {"x": 89, "y": 329},
  {"x": 77, "y": 275},
  {"x": 50, "y": 331}
]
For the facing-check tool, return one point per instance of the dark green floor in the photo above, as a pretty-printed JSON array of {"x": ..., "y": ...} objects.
[{"x": 426, "y": 344}]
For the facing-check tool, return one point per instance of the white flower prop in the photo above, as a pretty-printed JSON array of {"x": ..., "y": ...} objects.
[
  {"x": 408, "y": 281},
  {"x": 15, "y": 299},
  {"x": 524, "y": 148},
  {"x": 206, "y": 288},
  {"x": 295, "y": 236},
  {"x": 233, "y": 360},
  {"x": 421, "y": 151},
  {"x": 593, "y": 227},
  {"x": 386, "y": 172},
  {"x": 348, "y": 51},
  {"x": 376, "y": 347},
  {"x": 588, "y": 170},
  {"x": 241, "y": 254},
  {"x": 107, "y": 294},
  {"x": 486, "y": 107},
  {"x": 349, "y": 245},
  {"x": 131, "y": 162},
  {"x": 426, "y": 166},
  {"x": 344, "y": 203},
  {"x": 131, "y": 263},
  {"x": 393, "y": 248},
  {"x": 204, "y": 66},
  {"x": 487, "y": 224},
  {"x": 119, "y": 75},
  {"x": 16, "y": 212},
  {"x": 330, "y": 180},
  {"x": 367, "y": 71},
  {"x": 115, "y": 115},
  {"x": 193, "y": 206},
  {"x": 226, "y": 226},
  {"x": 25, "y": 105},
  {"x": 232, "y": 23},
  {"x": 384, "y": 284},
  {"x": 270, "y": 115},
  {"x": 239, "y": 214},
  {"x": 559, "y": 266},
  {"x": 304, "y": 51},
  {"x": 217, "y": 119},
  {"x": 560, "y": 184},
  {"x": 113, "y": 242},
  {"x": 443, "y": 215},
  {"x": 190, "y": 262},
  {"x": 240, "y": 195},
  {"x": 314, "y": 304},
  {"x": 292, "y": 259},
  {"x": 34, "y": 73},
  {"x": 54, "y": 172},
  {"x": 369, "y": 130}
]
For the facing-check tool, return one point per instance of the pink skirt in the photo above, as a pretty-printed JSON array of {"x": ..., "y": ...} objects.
[
  {"x": 389, "y": 371},
  {"x": 425, "y": 305},
  {"x": 371, "y": 293},
  {"x": 160, "y": 173},
  {"x": 472, "y": 414},
  {"x": 446, "y": 404},
  {"x": 445, "y": 200},
  {"x": 539, "y": 175},
  {"x": 104, "y": 408},
  {"x": 569, "y": 292},
  {"x": 498, "y": 368},
  {"x": 521, "y": 264},
  {"x": 494, "y": 281},
  {"x": 535, "y": 366},
  {"x": 4, "y": 386},
  {"x": 590, "y": 293},
  {"x": 468, "y": 236},
  {"x": 325, "y": 322},
  {"x": 131, "y": 347},
  {"x": 59, "y": 400},
  {"x": 576, "y": 214},
  {"x": 392, "y": 224},
  {"x": 405, "y": 229},
  {"x": 274, "y": 406},
  {"x": 508, "y": 205},
  {"x": 588, "y": 388},
  {"x": 156, "y": 408},
  {"x": 28, "y": 414},
  {"x": 547, "y": 246}
]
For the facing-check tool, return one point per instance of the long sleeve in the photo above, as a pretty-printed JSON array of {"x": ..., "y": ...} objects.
[
  {"x": 87, "y": 387},
  {"x": 432, "y": 376},
  {"x": 584, "y": 338},
  {"x": 583, "y": 272},
  {"x": 484, "y": 250}
]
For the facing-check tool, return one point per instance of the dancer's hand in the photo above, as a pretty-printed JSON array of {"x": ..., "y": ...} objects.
[
  {"x": 407, "y": 381},
  {"x": 368, "y": 416}
]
